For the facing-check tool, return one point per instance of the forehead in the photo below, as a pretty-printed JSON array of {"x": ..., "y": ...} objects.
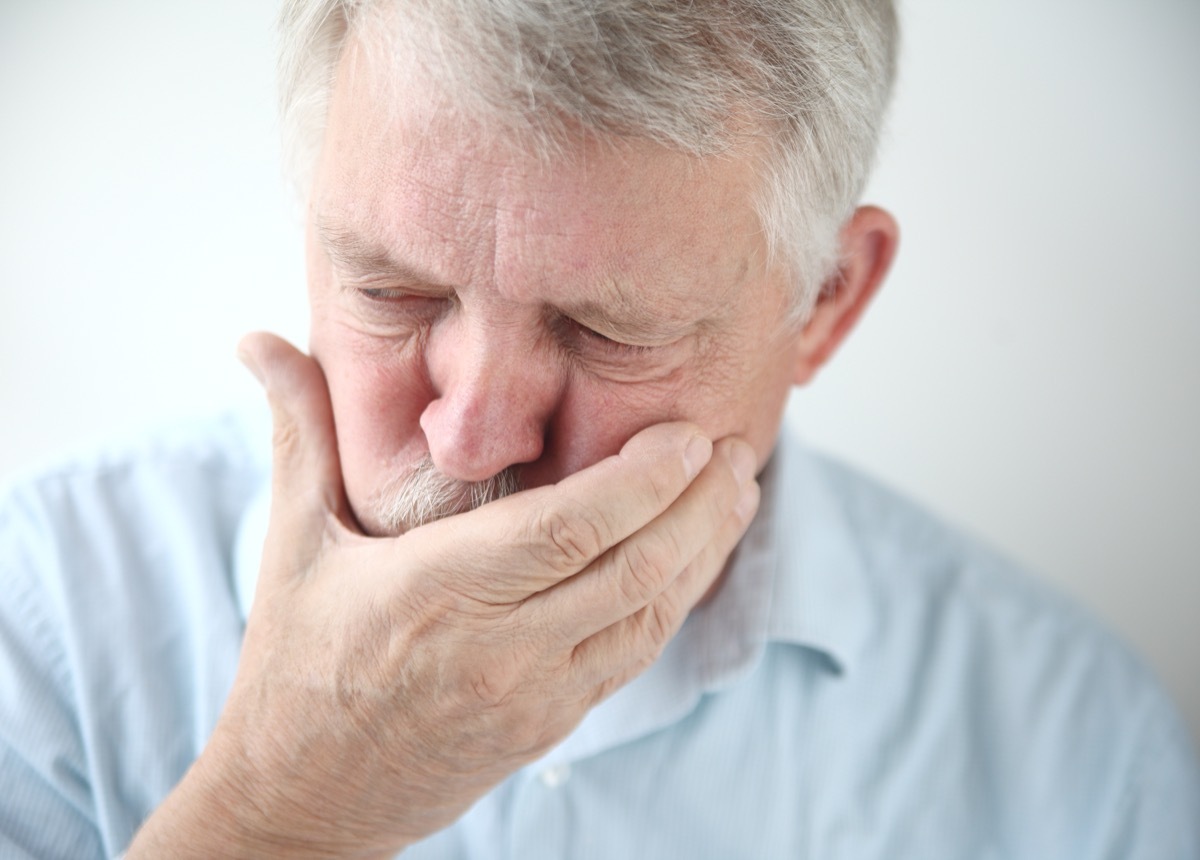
[{"x": 405, "y": 171}]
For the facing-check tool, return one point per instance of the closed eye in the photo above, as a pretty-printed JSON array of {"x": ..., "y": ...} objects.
[
  {"x": 398, "y": 306},
  {"x": 586, "y": 339},
  {"x": 389, "y": 294}
]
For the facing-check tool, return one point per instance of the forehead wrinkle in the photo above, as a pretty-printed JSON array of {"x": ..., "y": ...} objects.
[
  {"x": 353, "y": 250},
  {"x": 656, "y": 307},
  {"x": 348, "y": 246},
  {"x": 420, "y": 211},
  {"x": 463, "y": 211},
  {"x": 360, "y": 254}
]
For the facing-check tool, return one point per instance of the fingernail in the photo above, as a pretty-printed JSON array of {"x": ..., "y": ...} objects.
[
  {"x": 741, "y": 457},
  {"x": 248, "y": 360},
  {"x": 696, "y": 455},
  {"x": 747, "y": 503}
]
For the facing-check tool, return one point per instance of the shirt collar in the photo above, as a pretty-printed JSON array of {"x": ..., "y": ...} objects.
[
  {"x": 821, "y": 596},
  {"x": 797, "y": 578}
]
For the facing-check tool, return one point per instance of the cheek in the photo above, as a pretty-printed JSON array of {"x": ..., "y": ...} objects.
[
  {"x": 738, "y": 387},
  {"x": 748, "y": 399},
  {"x": 377, "y": 391},
  {"x": 596, "y": 419}
]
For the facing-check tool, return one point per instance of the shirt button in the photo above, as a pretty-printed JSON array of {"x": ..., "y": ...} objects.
[{"x": 553, "y": 777}]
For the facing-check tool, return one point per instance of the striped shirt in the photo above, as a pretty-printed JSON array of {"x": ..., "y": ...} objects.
[{"x": 867, "y": 683}]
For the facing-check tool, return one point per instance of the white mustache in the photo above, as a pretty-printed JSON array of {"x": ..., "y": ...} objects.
[{"x": 425, "y": 495}]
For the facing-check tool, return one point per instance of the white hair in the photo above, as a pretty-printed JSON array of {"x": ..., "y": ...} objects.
[
  {"x": 424, "y": 495},
  {"x": 810, "y": 77}
]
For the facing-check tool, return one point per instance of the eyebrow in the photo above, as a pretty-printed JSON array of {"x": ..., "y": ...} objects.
[
  {"x": 353, "y": 251},
  {"x": 628, "y": 319}
]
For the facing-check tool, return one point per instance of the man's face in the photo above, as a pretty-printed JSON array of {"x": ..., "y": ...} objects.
[{"x": 480, "y": 308}]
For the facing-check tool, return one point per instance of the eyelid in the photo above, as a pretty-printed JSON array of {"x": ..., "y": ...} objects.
[
  {"x": 382, "y": 293},
  {"x": 603, "y": 341},
  {"x": 398, "y": 304},
  {"x": 575, "y": 330},
  {"x": 398, "y": 293}
]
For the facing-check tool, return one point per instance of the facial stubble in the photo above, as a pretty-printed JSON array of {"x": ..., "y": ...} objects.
[{"x": 425, "y": 495}]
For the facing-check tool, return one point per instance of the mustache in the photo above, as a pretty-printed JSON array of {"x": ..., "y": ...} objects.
[{"x": 425, "y": 495}]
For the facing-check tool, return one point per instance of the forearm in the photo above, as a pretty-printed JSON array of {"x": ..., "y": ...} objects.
[{"x": 213, "y": 813}]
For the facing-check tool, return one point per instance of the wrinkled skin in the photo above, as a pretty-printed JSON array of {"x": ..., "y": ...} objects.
[
  {"x": 473, "y": 303},
  {"x": 605, "y": 325}
]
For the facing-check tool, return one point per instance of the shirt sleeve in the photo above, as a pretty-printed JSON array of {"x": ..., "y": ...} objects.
[
  {"x": 1160, "y": 814},
  {"x": 46, "y": 804}
]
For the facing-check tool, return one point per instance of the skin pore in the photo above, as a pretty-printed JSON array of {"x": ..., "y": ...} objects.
[{"x": 490, "y": 310}]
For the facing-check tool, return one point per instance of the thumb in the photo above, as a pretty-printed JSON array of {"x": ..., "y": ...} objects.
[{"x": 306, "y": 474}]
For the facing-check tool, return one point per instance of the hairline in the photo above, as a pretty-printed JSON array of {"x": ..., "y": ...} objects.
[{"x": 800, "y": 164}]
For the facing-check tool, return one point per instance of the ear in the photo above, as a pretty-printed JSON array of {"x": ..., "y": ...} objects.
[{"x": 868, "y": 244}]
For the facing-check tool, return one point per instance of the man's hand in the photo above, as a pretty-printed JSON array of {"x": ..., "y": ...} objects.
[{"x": 386, "y": 684}]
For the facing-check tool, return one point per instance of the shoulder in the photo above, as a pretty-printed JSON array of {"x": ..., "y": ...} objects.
[
  {"x": 941, "y": 596},
  {"x": 921, "y": 576},
  {"x": 173, "y": 489},
  {"x": 119, "y": 625},
  {"x": 149, "y": 474},
  {"x": 1000, "y": 689},
  {"x": 131, "y": 522}
]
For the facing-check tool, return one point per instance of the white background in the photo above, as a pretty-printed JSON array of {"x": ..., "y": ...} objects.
[{"x": 1032, "y": 369}]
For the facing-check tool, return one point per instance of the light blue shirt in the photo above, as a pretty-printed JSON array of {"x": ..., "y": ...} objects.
[{"x": 867, "y": 683}]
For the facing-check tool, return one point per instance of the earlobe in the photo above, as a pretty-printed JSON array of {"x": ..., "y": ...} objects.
[{"x": 868, "y": 245}]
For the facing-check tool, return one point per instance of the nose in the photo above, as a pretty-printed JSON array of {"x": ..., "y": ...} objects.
[{"x": 495, "y": 390}]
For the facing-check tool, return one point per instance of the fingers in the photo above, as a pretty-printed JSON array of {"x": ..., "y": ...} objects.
[
  {"x": 628, "y": 576},
  {"x": 615, "y": 655},
  {"x": 551, "y": 533},
  {"x": 306, "y": 475}
]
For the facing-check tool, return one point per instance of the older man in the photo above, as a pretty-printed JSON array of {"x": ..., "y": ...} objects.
[{"x": 565, "y": 262}]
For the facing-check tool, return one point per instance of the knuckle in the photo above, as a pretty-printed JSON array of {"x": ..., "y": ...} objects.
[
  {"x": 658, "y": 621},
  {"x": 567, "y": 536},
  {"x": 648, "y": 562},
  {"x": 488, "y": 691},
  {"x": 285, "y": 436},
  {"x": 480, "y": 692},
  {"x": 522, "y": 724},
  {"x": 656, "y": 628}
]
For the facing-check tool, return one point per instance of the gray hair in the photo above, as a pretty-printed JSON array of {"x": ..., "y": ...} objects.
[
  {"x": 812, "y": 77},
  {"x": 424, "y": 495}
]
